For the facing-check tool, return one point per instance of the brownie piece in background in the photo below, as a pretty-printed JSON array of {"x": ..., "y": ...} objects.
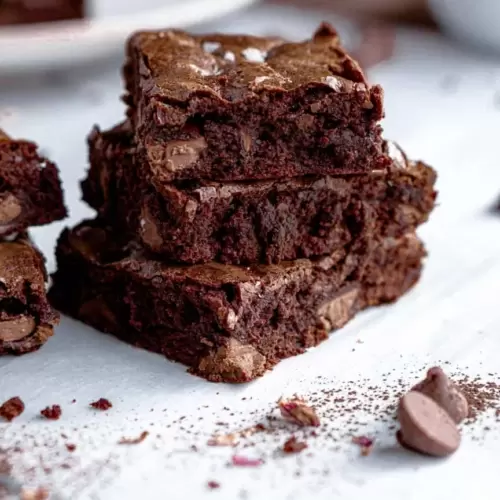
[
  {"x": 259, "y": 221},
  {"x": 30, "y": 189},
  {"x": 228, "y": 107},
  {"x": 227, "y": 323},
  {"x": 40, "y": 11},
  {"x": 26, "y": 317}
]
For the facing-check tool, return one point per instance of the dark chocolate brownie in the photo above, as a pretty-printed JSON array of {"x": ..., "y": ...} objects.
[
  {"x": 259, "y": 221},
  {"x": 30, "y": 189},
  {"x": 228, "y": 107},
  {"x": 226, "y": 323},
  {"x": 26, "y": 317},
  {"x": 40, "y": 11}
]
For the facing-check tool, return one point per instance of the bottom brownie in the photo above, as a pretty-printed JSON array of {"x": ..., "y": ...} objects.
[
  {"x": 227, "y": 323},
  {"x": 26, "y": 317}
]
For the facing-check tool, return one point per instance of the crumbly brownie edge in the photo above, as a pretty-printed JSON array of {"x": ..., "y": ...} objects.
[
  {"x": 31, "y": 192},
  {"x": 227, "y": 324},
  {"x": 242, "y": 223},
  {"x": 26, "y": 317}
]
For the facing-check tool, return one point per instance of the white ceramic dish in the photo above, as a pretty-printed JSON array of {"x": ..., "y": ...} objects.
[
  {"x": 476, "y": 21},
  {"x": 103, "y": 32}
]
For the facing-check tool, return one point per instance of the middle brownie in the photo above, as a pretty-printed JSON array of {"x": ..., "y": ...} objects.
[{"x": 259, "y": 221}]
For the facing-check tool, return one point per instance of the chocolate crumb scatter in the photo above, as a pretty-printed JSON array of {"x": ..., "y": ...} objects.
[
  {"x": 296, "y": 410},
  {"x": 293, "y": 445},
  {"x": 136, "y": 440},
  {"x": 52, "y": 412},
  {"x": 12, "y": 408},
  {"x": 101, "y": 404},
  {"x": 481, "y": 396}
]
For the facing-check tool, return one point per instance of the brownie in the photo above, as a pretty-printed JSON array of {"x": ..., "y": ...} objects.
[
  {"x": 259, "y": 221},
  {"x": 227, "y": 323},
  {"x": 40, "y": 11},
  {"x": 30, "y": 189},
  {"x": 229, "y": 107},
  {"x": 26, "y": 317}
]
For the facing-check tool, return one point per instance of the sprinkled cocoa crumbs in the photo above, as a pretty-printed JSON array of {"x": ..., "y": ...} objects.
[
  {"x": 213, "y": 485},
  {"x": 481, "y": 395},
  {"x": 52, "y": 412},
  {"x": 101, "y": 404},
  {"x": 293, "y": 445},
  {"x": 12, "y": 408},
  {"x": 136, "y": 440}
]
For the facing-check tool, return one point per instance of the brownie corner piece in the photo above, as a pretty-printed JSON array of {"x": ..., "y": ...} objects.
[
  {"x": 234, "y": 107},
  {"x": 30, "y": 188},
  {"x": 26, "y": 317},
  {"x": 226, "y": 323}
]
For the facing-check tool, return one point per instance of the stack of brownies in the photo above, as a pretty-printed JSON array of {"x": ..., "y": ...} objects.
[
  {"x": 247, "y": 207},
  {"x": 30, "y": 195}
]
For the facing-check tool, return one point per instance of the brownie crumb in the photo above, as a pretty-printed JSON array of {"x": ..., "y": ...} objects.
[
  {"x": 71, "y": 447},
  {"x": 293, "y": 445},
  {"x": 296, "y": 410},
  {"x": 101, "y": 404},
  {"x": 213, "y": 485},
  {"x": 36, "y": 494},
  {"x": 240, "y": 461},
  {"x": 52, "y": 412},
  {"x": 136, "y": 440},
  {"x": 12, "y": 408},
  {"x": 365, "y": 443}
]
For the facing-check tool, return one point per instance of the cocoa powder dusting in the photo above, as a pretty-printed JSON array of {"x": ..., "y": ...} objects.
[{"x": 481, "y": 395}]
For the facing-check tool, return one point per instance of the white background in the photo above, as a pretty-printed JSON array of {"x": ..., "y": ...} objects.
[{"x": 442, "y": 105}]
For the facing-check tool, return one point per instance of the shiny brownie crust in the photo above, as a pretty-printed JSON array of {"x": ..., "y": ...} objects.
[{"x": 228, "y": 107}]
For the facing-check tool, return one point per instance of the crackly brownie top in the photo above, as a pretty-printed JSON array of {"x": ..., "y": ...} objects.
[{"x": 176, "y": 65}]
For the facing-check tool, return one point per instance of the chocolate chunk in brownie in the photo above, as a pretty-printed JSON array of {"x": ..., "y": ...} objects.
[
  {"x": 229, "y": 107},
  {"x": 30, "y": 189},
  {"x": 227, "y": 323},
  {"x": 259, "y": 221},
  {"x": 26, "y": 317},
  {"x": 39, "y": 11}
]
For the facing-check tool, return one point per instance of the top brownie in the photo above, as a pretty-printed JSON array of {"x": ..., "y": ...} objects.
[
  {"x": 224, "y": 107},
  {"x": 30, "y": 189}
]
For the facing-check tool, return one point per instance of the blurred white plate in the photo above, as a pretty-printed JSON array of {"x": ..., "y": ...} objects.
[{"x": 108, "y": 24}]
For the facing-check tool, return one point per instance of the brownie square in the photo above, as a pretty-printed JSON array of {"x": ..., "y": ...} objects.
[
  {"x": 26, "y": 317},
  {"x": 30, "y": 189},
  {"x": 259, "y": 221},
  {"x": 228, "y": 107},
  {"x": 227, "y": 323},
  {"x": 40, "y": 11}
]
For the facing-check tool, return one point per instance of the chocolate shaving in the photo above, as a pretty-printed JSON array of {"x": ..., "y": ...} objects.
[{"x": 136, "y": 440}]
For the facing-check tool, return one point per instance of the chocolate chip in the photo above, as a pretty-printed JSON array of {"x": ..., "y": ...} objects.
[
  {"x": 445, "y": 393},
  {"x": 426, "y": 427},
  {"x": 16, "y": 329}
]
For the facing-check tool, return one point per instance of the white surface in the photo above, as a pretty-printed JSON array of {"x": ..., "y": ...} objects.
[
  {"x": 477, "y": 21},
  {"x": 103, "y": 32},
  {"x": 442, "y": 105}
]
